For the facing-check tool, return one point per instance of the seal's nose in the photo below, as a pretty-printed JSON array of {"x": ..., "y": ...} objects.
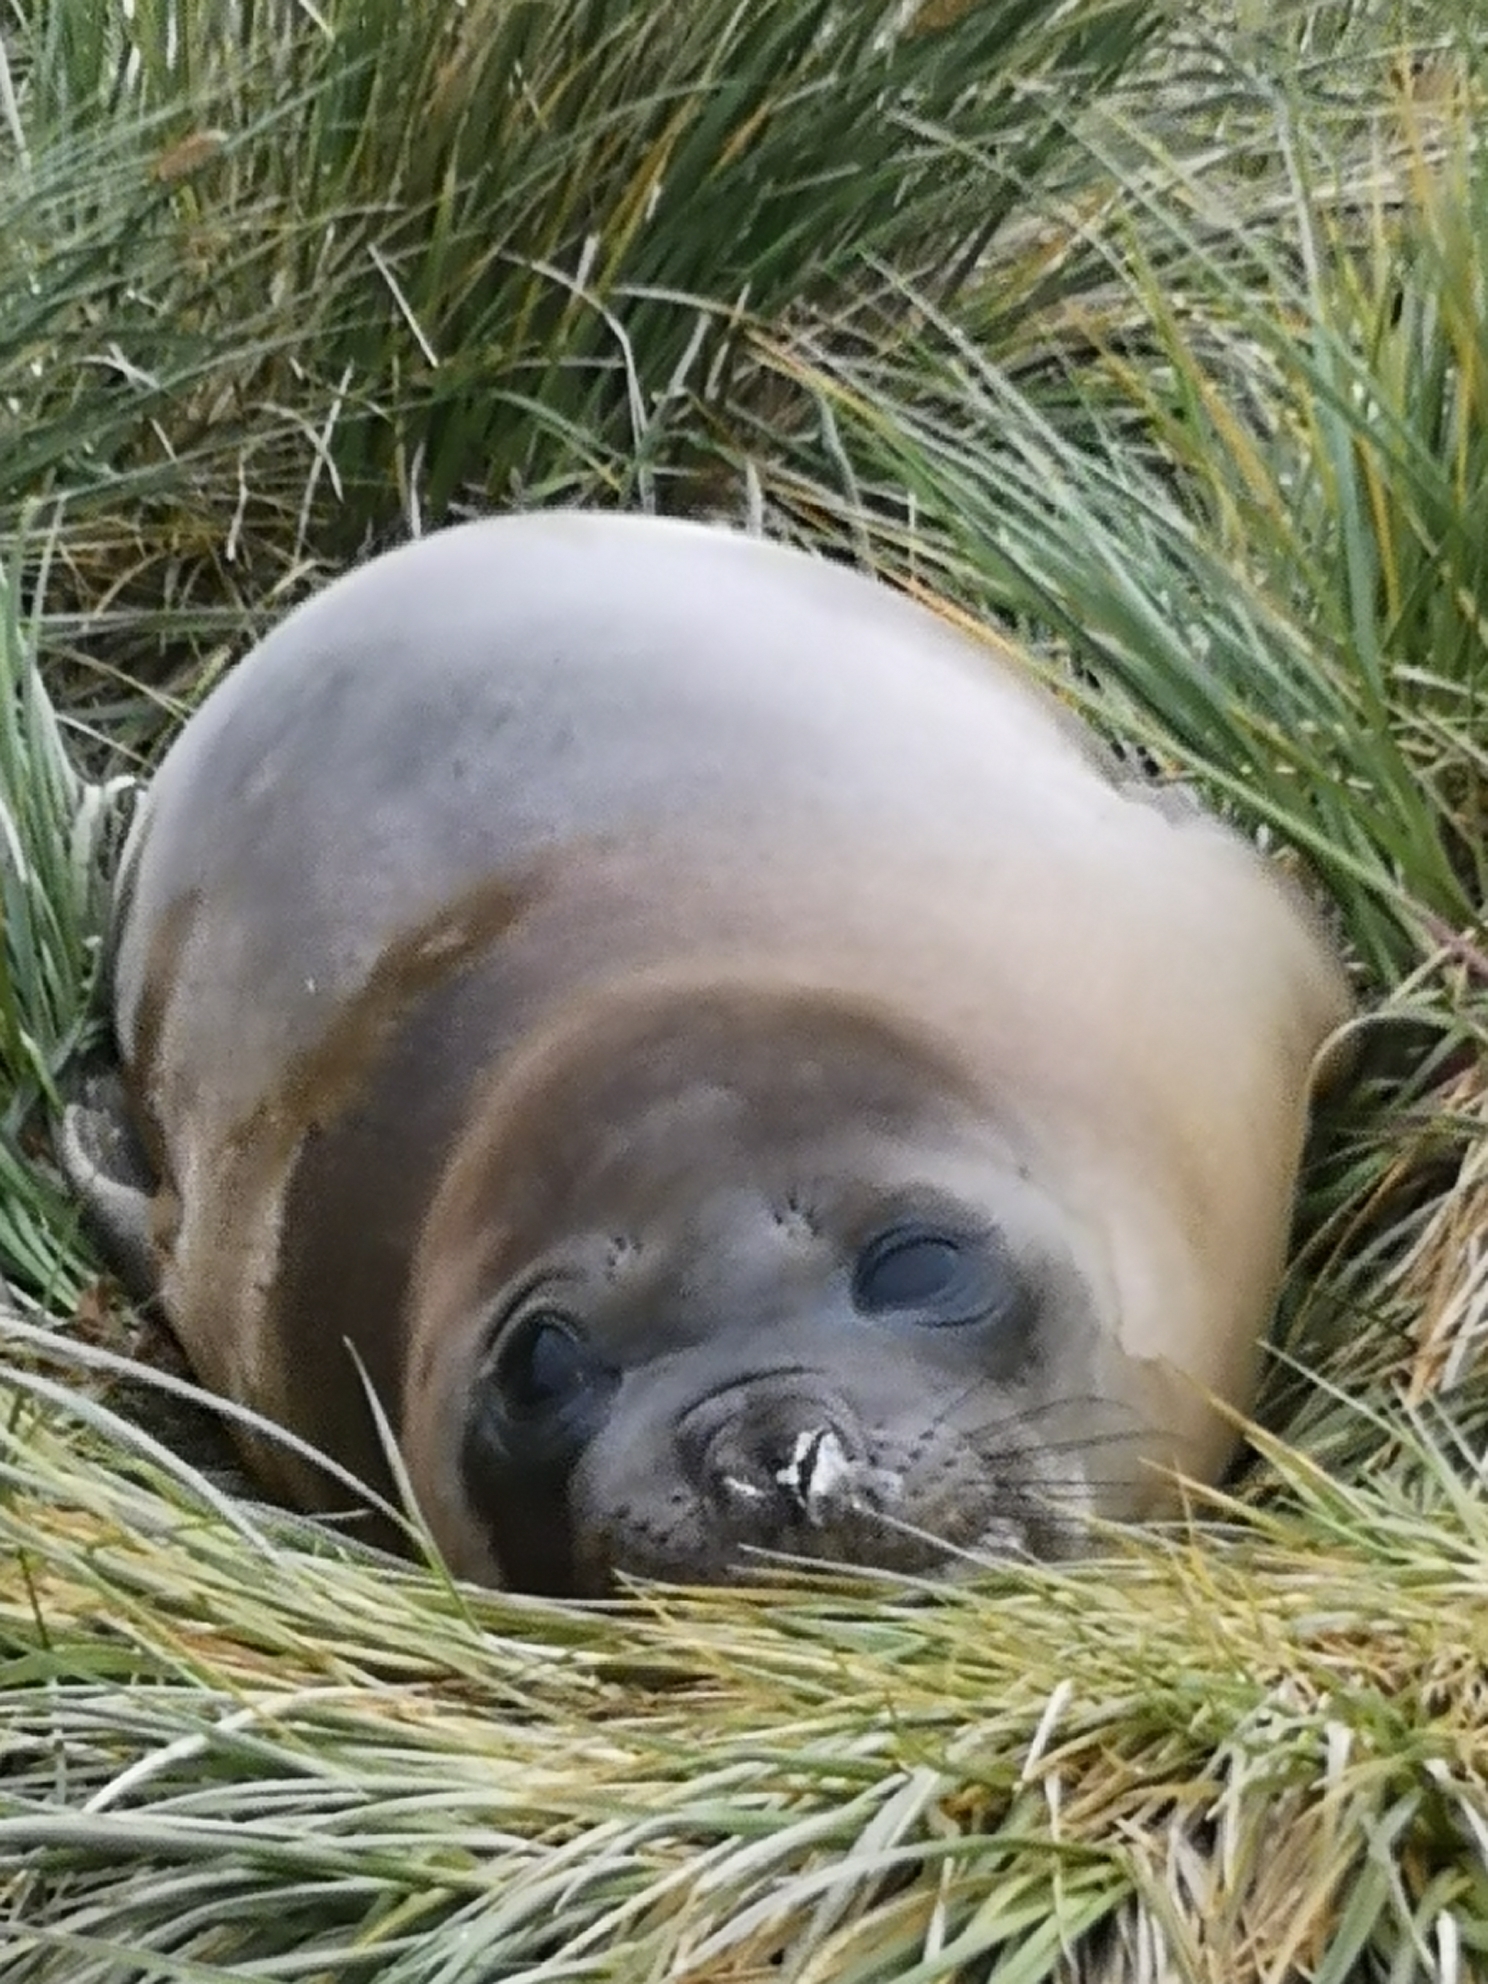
[
  {"x": 776, "y": 1462},
  {"x": 816, "y": 1483}
]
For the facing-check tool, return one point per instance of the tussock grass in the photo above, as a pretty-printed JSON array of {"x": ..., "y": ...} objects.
[
  {"x": 54, "y": 861},
  {"x": 1159, "y": 336},
  {"x": 285, "y": 1759},
  {"x": 315, "y": 272}
]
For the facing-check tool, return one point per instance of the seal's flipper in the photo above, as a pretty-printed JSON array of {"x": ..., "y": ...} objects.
[{"x": 104, "y": 1164}]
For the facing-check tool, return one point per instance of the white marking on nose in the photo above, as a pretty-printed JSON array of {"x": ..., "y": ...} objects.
[{"x": 818, "y": 1474}]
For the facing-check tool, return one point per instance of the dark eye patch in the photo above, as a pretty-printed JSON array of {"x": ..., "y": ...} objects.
[
  {"x": 934, "y": 1277},
  {"x": 544, "y": 1363},
  {"x": 546, "y": 1389},
  {"x": 541, "y": 1396},
  {"x": 904, "y": 1271}
]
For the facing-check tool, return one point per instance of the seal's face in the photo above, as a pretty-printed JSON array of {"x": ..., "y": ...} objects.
[{"x": 780, "y": 1288}]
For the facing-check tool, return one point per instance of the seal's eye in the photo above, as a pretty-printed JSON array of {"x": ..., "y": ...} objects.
[
  {"x": 544, "y": 1363},
  {"x": 938, "y": 1277}
]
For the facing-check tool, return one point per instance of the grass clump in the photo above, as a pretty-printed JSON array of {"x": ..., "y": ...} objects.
[
  {"x": 312, "y": 273},
  {"x": 1162, "y": 338},
  {"x": 1257, "y": 1756}
]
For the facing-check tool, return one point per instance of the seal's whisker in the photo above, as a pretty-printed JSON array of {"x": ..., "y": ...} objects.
[
  {"x": 1063, "y": 1402},
  {"x": 1085, "y": 1444},
  {"x": 993, "y": 1444},
  {"x": 967, "y": 1553},
  {"x": 1028, "y": 1419}
]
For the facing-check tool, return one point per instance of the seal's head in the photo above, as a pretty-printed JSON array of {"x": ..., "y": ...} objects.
[{"x": 722, "y": 1271}]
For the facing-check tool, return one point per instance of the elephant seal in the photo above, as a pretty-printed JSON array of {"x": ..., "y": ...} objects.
[{"x": 721, "y": 1054}]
